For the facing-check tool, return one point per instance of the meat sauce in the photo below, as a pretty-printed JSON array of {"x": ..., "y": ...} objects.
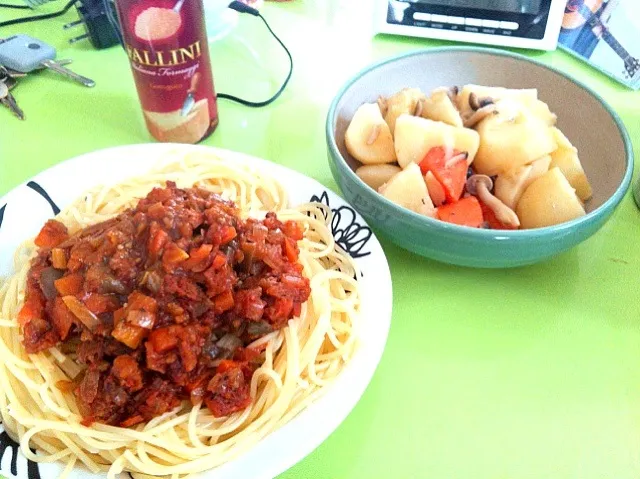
[{"x": 160, "y": 303}]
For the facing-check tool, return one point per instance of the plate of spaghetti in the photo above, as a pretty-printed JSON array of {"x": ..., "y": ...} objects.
[{"x": 181, "y": 311}]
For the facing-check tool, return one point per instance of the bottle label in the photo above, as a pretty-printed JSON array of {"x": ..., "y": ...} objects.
[{"x": 167, "y": 47}]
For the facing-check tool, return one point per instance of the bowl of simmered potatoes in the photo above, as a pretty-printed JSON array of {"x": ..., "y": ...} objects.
[{"x": 477, "y": 157}]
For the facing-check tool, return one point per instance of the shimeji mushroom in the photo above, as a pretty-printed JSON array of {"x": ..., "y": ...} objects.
[
  {"x": 476, "y": 103},
  {"x": 480, "y": 186},
  {"x": 478, "y": 115}
]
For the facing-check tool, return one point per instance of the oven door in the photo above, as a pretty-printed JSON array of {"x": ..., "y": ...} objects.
[{"x": 519, "y": 23}]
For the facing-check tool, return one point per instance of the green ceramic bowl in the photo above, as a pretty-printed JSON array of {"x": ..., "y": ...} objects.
[{"x": 591, "y": 125}]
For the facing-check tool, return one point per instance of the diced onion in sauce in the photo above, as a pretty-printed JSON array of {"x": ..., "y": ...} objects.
[
  {"x": 259, "y": 328},
  {"x": 152, "y": 280},
  {"x": 230, "y": 343},
  {"x": 70, "y": 368},
  {"x": 81, "y": 312}
]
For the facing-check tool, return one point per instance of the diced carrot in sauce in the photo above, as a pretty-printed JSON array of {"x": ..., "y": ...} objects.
[
  {"x": 157, "y": 239},
  {"x": 132, "y": 421},
  {"x": 290, "y": 249},
  {"x": 219, "y": 261},
  {"x": 491, "y": 219},
  {"x": 249, "y": 354},
  {"x": 163, "y": 340},
  {"x": 119, "y": 315},
  {"x": 62, "y": 318},
  {"x": 156, "y": 211},
  {"x": 138, "y": 300},
  {"x": 173, "y": 255},
  {"x": 128, "y": 334},
  {"x": 452, "y": 177},
  {"x": 464, "y": 212},
  {"x": 58, "y": 258},
  {"x": 70, "y": 284},
  {"x": 225, "y": 365},
  {"x": 33, "y": 306},
  {"x": 293, "y": 230},
  {"x": 52, "y": 234},
  {"x": 197, "y": 256},
  {"x": 282, "y": 308},
  {"x": 223, "y": 302},
  {"x": 228, "y": 235},
  {"x": 142, "y": 319}
]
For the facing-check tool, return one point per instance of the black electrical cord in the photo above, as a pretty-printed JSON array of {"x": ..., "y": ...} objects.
[
  {"x": 17, "y": 7},
  {"x": 106, "y": 4},
  {"x": 243, "y": 8},
  {"x": 45, "y": 16}
]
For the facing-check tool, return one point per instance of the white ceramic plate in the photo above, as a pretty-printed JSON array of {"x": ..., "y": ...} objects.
[{"x": 24, "y": 210}]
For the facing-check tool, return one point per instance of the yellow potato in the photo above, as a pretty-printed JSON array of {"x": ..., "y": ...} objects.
[
  {"x": 507, "y": 142},
  {"x": 566, "y": 158},
  {"x": 539, "y": 109},
  {"x": 538, "y": 168},
  {"x": 415, "y": 136},
  {"x": 408, "y": 189},
  {"x": 510, "y": 186},
  {"x": 368, "y": 138},
  {"x": 549, "y": 200},
  {"x": 439, "y": 107},
  {"x": 495, "y": 93},
  {"x": 403, "y": 102},
  {"x": 377, "y": 175}
]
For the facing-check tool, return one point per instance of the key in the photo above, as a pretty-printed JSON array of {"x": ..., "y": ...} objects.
[
  {"x": 16, "y": 74},
  {"x": 25, "y": 54},
  {"x": 8, "y": 100}
]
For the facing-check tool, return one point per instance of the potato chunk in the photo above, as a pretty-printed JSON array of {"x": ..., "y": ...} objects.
[
  {"x": 439, "y": 107},
  {"x": 408, "y": 189},
  {"x": 566, "y": 158},
  {"x": 368, "y": 138},
  {"x": 509, "y": 141},
  {"x": 510, "y": 186},
  {"x": 494, "y": 93},
  {"x": 415, "y": 136},
  {"x": 377, "y": 175},
  {"x": 549, "y": 200},
  {"x": 401, "y": 103}
]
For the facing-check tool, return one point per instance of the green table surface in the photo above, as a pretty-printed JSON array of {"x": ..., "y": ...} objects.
[{"x": 530, "y": 373}]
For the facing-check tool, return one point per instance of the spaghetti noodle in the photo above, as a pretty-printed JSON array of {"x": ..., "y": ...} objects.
[{"x": 300, "y": 360}]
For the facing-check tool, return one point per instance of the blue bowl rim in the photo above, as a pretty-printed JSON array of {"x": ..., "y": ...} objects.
[{"x": 449, "y": 228}]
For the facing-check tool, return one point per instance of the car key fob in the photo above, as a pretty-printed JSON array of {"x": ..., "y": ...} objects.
[{"x": 24, "y": 53}]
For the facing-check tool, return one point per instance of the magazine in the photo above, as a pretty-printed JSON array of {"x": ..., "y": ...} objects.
[{"x": 606, "y": 34}]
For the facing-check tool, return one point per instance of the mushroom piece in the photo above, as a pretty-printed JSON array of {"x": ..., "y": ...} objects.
[
  {"x": 456, "y": 158},
  {"x": 383, "y": 105},
  {"x": 453, "y": 93},
  {"x": 480, "y": 186},
  {"x": 419, "y": 107},
  {"x": 479, "y": 115},
  {"x": 476, "y": 103}
]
